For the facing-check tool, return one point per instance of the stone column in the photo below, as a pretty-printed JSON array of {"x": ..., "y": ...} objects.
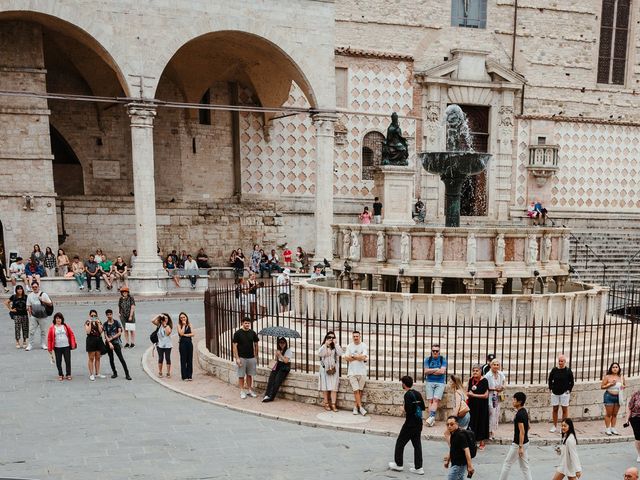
[
  {"x": 356, "y": 281},
  {"x": 470, "y": 285},
  {"x": 379, "y": 281},
  {"x": 561, "y": 280},
  {"x": 144, "y": 189},
  {"x": 405, "y": 283},
  {"x": 528, "y": 285},
  {"x": 324, "y": 124},
  {"x": 436, "y": 284},
  {"x": 500, "y": 283}
]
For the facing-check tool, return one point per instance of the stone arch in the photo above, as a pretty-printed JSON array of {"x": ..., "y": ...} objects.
[
  {"x": 371, "y": 152},
  {"x": 71, "y": 30}
]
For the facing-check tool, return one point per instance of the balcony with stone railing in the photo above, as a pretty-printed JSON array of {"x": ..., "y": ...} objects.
[{"x": 543, "y": 162}]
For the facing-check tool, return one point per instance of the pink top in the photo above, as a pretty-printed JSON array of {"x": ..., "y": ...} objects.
[{"x": 365, "y": 218}]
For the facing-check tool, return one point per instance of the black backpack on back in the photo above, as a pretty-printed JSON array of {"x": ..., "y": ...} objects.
[{"x": 471, "y": 442}]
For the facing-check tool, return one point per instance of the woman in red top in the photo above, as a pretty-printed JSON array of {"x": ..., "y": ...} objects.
[
  {"x": 61, "y": 341},
  {"x": 287, "y": 254}
]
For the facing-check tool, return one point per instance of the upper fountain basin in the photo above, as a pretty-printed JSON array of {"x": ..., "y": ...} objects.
[{"x": 454, "y": 164}]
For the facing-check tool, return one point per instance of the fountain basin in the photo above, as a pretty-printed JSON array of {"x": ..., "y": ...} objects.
[{"x": 454, "y": 164}]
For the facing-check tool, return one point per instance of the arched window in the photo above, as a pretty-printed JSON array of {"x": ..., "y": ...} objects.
[
  {"x": 67, "y": 170},
  {"x": 371, "y": 153}
]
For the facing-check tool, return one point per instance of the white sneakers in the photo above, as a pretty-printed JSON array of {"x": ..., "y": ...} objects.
[
  {"x": 431, "y": 421},
  {"x": 101, "y": 376},
  {"x": 363, "y": 412},
  {"x": 614, "y": 431},
  {"x": 553, "y": 429},
  {"x": 252, "y": 394},
  {"x": 417, "y": 471},
  {"x": 29, "y": 347},
  {"x": 355, "y": 410},
  {"x": 92, "y": 378},
  {"x": 243, "y": 395},
  {"x": 638, "y": 459},
  {"x": 395, "y": 466}
]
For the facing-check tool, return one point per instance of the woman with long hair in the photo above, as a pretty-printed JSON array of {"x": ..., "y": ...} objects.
[
  {"x": 37, "y": 255},
  {"x": 60, "y": 341},
  {"x": 328, "y": 377},
  {"x": 185, "y": 346},
  {"x": 279, "y": 369},
  {"x": 95, "y": 345},
  {"x": 460, "y": 408},
  {"x": 63, "y": 263},
  {"x": 365, "y": 216},
  {"x": 17, "y": 305},
  {"x": 613, "y": 384},
  {"x": 238, "y": 264},
  {"x": 127, "y": 311},
  {"x": 49, "y": 262},
  {"x": 165, "y": 326},
  {"x": 569, "y": 461},
  {"x": 478, "y": 393},
  {"x": 497, "y": 382}
]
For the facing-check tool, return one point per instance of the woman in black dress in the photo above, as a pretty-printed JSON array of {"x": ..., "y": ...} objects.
[
  {"x": 478, "y": 394},
  {"x": 185, "y": 347}
]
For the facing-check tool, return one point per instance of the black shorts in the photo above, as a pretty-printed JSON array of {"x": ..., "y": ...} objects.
[
  {"x": 635, "y": 424},
  {"x": 284, "y": 299},
  {"x": 93, "y": 343}
]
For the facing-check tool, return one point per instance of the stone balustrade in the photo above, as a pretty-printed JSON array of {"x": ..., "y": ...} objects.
[
  {"x": 493, "y": 254},
  {"x": 543, "y": 162}
]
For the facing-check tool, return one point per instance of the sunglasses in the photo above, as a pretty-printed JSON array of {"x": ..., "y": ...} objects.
[
  {"x": 435, "y": 351},
  {"x": 331, "y": 338}
]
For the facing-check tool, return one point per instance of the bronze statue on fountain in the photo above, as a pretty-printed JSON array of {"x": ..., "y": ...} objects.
[{"x": 394, "y": 148}]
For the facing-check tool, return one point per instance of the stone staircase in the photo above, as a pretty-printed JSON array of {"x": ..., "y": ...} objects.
[{"x": 595, "y": 249}]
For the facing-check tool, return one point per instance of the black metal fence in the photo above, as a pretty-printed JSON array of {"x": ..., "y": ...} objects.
[{"x": 527, "y": 347}]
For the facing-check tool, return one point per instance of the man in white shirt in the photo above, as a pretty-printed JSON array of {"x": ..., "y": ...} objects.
[
  {"x": 191, "y": 270},
  {"x": 357, "y": 354},
  {"x": 284, "y": 288},
  {"x": 36, "y": 301},
  {"x": 16, "y": 272}
]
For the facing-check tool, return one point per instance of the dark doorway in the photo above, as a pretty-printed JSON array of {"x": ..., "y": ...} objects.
[
  {"x": 473, "y": 201},
  {"x": 67, "y": 170}
]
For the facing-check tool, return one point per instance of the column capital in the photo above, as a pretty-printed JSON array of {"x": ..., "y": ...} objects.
[
  {"x": 141, "y": 114},
  {"x": 325, "y": 123}
]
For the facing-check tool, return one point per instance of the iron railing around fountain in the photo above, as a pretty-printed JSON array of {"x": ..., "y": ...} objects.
[{"x": 527, "y": 344}]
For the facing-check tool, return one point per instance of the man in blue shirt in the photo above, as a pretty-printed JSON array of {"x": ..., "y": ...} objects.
[{"x": 435, "y": 374}]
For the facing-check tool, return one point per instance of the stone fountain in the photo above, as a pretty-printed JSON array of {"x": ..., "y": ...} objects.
[{"x": 456, "y": 164}]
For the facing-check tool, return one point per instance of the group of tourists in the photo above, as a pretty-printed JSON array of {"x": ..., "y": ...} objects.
[{"x": 161, "y": 338}]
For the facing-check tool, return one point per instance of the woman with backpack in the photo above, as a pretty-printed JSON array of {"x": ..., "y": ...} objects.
[
  {"x": 165, "y": 326},
  {"x": 328, "y": 377},
  {"x": 569, "y": 461}
]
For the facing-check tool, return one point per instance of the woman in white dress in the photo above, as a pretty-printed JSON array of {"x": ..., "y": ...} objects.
[
  {"x": 328, "y": 376},
  {"x": 569, "y": 461},
  {"x": 497, "y": 382}
]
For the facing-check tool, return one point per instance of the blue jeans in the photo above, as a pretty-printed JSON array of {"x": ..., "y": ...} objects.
[{"x": 457, "y": 472}]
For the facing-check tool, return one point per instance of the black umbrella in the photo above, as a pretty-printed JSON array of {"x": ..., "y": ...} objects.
[{"x": 277, "y": 331}]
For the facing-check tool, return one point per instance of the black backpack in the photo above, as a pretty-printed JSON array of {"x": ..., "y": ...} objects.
[
  {"x": 471, "y": 442},
  {"x": 154, "y": 336}
]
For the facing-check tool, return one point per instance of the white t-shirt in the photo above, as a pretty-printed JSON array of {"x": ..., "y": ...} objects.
[
  {"x": 61, "y": 339},
  {"x": 283, "y": 282},
  {"x": 34, "y": 298},
  {"x": 17, "y": 268},
  {"x": 357, "y": 367},
  {"x": 191, "y": 265}
]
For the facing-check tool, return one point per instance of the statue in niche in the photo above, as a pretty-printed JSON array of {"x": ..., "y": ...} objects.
[
  {"x": 471, "y": 249},
  {"x": 346, "y": 243},
  {"x": 439, "y": 250},
  {"x": 380, "y": 250},
  {"x": 354, "y": 249},
  {"x": 564, "y": 252},
  {"x": 405, "y": 248},
  {"x": 395, "y": 150},
  {"x": 546, "y": 249},
  {"x": 500, "y": 249},
  {"x": 533, "y": 250}
]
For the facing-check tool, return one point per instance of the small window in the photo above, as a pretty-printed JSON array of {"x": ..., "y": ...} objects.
[
  {"x": 614, "y": 30},
  {"x": 204, "y": 114},
  {"x": 469, "y": 13},
  {"x": 542, "y": 140},
  {"x": 342, "y": 87},
  {"x": 371, "y": 153}
]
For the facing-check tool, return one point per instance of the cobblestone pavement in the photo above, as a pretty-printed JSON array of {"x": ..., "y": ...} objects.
[{"x": 139, "y": 429}]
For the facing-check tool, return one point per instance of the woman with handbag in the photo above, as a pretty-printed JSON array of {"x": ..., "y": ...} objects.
[
  {"x": 95, "y": 345},
  {"x": 279, "y": 369},
  {"x": 60, "y": 341},
  {"x": 460, "y": 408},
  {"x": 478, "y": 393},
  {"x": 17, "y": 305},
  {"x": 497, "y": 382},
  {"x": 328, "y": 378},
  {"x": 570, "y": 466},
  {"x": 165, "y": 327}
]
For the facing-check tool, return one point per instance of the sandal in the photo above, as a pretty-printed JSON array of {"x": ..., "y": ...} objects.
[
  {"x": 333, "y": 407},
  {"x": 168, "y": 375},
  {"x": 326, "y": 406},
  {"x": 68, "y": 377},
  {"x": 160, "y": 374},
  {"x": 60, "y": 378}
]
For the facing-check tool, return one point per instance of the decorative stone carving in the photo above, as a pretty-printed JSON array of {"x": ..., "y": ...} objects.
[
  {"x": 500, "y": 249},
  {"x": 472, "y": 250},
  {"x": 436, "y": 285},
  {"x": 405, "y": 248},
  {"x": 546, "y": 249},
  {"x": 334, "y": 244},
  {"x": 340, "y": 132},
  {"x": 564, "y": 251},
  {"x": 470, "y": 284},
  {"x": 354, "y": 249},
  {"x": 432, "y": 112},
  {"x": 381, "y": 254},
  {"x": 500, "y": 283},
  {"x": 533, "y": 250},
  {"x": 506, "y": 116},
  {"x": 346, "y": 243},
  {"x": 439, "y": 250}
]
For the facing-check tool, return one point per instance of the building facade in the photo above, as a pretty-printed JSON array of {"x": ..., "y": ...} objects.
[{"x": 219, "y": 124}]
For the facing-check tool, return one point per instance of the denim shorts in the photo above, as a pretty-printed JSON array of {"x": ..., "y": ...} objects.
[
  {"x": 457, "y": 472},
  {"x": 434, "y": 390},
  {"x": 463, "y": 422},
  {"x": 611, "y": 399}
]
